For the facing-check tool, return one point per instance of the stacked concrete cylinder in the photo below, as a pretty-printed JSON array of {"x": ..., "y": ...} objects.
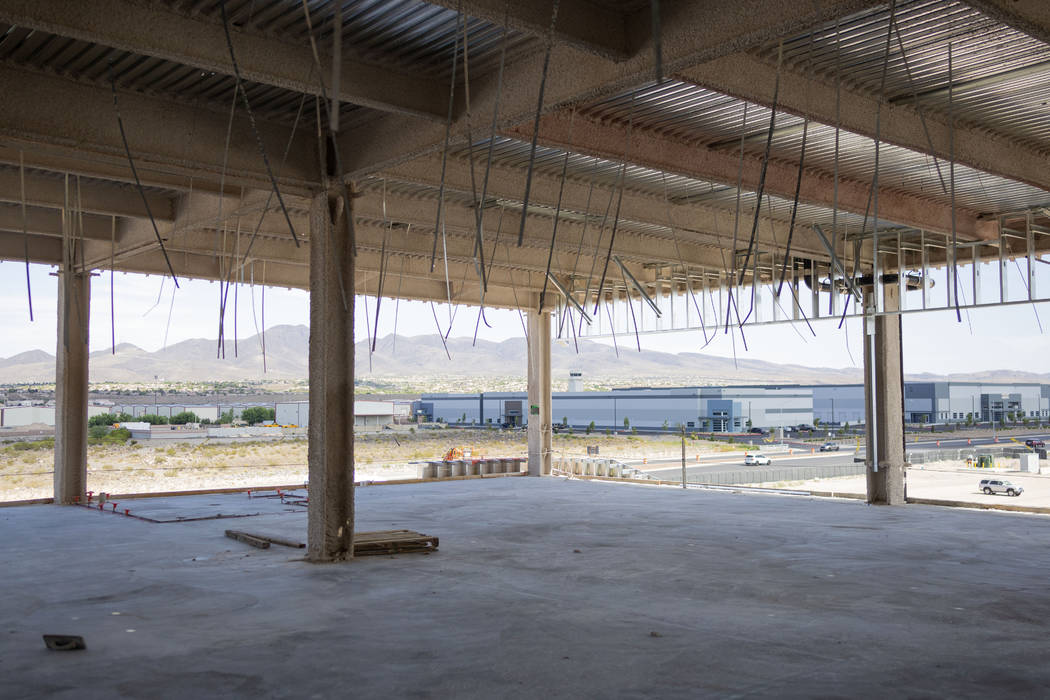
[
  {"x": 474, "y": 467},
  {"x": 429, "y": 470},
  {"x": 444, "y": 470}
]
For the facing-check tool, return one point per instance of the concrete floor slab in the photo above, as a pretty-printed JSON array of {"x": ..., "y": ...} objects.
[{"x": 541, "y": 587}]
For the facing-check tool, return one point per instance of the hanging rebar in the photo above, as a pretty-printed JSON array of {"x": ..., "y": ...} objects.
[
  {"x": 765, "y": 166},
  {"x": 536, "y": 122},
  {"x": 251, "y": 120},
  {"x": 25, "y": 230},
  {"x": 439, "y": 223},
  {"x": 619, "y": 198},
  {"x": 135, "y": 174}
]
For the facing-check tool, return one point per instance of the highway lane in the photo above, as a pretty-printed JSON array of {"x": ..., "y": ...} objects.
[
  {"x": 695, "y": 471},
  {"x": 957, "y": 442}
]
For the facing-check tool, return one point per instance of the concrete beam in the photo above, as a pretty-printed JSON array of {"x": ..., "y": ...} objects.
[
  {"x": 1029, "y": 16},
  {"x": 752, "y": 79},
  {"x": 110, "y": 169},
  {"x": 697, "y": 248},
  {"x": 693, "y": 32},
  {"x": 195, "y": 256},
  {"x": 662, "y": 153},
  {"x": 152, "y": 30},
  {"x": 48, "y": 222},
  {"x": 691, "y": 221},
  {"x": 580, "y": 24},
  {"x": 95, "y": 197},
  {"x": 330, "y": 515},
  {"x": 64, "y": 118},
  {"x": 41, "y": 250},
  {"x": 71, "y": 386}
]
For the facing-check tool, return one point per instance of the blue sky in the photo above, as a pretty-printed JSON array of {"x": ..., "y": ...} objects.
[{"x": 1006, "y": 337}]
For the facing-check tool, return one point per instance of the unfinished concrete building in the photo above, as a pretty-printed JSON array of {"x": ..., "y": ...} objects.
[{"x": 607, "y": 167}]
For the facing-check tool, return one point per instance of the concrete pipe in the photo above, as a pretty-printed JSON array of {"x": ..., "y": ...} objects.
[{"x": 444, "y": 470}]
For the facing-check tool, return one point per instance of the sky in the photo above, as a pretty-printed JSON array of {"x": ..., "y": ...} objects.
[{"x": 147, "y": 315}]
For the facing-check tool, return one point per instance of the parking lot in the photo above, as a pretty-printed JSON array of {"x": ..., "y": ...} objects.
[{"x": 951, "y": 483}]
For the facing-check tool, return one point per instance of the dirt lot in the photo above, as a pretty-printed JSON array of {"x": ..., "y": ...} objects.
[{"x": 387, "y": 455}]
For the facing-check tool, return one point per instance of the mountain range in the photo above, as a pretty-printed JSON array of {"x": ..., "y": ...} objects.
[{"x": 424, "y": 358}]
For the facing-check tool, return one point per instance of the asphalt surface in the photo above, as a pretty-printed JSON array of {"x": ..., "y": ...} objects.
[
  {"x": 716, "y": 464},
  {"x": 956, "y": 442},
  {"x": 721, "y": 463}
]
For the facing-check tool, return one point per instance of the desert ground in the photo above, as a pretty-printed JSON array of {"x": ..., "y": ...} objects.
[{"x": 143, "y": 467}]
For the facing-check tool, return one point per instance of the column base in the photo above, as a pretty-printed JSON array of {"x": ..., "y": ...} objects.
[{"x": 886, "y": 486}]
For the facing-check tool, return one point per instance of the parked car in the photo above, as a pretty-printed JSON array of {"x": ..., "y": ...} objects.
[
  {"x": 990, "y": 486},
  {"x": 756, "y": 459},
  {"x": 757, "y": 431},
  {"x": 1035, "y": 444},
  {"x": 829, "y": 447},
  {"x": 806, "y": 428}
]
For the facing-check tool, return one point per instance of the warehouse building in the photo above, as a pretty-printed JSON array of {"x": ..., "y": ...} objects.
[
  {"x": 737, "y": 408},
  {"x": 366, "y": 413},
  {"x": 714, "y": 409}
]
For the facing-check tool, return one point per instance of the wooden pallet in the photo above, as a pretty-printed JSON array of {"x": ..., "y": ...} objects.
[{"x": 392, "y": 542}]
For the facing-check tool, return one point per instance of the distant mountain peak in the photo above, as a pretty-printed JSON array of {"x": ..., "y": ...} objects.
[{"x": 422, "y": 357}]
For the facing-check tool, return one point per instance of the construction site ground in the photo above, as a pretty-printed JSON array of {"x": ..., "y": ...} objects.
[{"x": 950, "y": 481}]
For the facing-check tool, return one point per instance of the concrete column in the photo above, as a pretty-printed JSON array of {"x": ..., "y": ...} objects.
[
  {"x": 539, "y": 427},
  {"x": 71, "y": 386},
  {"x": 884, "y": 401},
  {"x": 330, "y": 518}
]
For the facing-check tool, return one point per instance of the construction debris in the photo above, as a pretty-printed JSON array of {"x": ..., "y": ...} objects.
[
  {"x": 64, "y": 642},
  {"x": 244, "y": 537},
  {"x": 392, "y": 542},
  {"x": 263, "y": 541}
]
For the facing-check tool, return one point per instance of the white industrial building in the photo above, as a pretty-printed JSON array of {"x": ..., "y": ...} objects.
[
  {"x": 366, "y": 413},
  {"x": 736, "y": 408},
  {"x": 18, "y": 416},
  {"x": 714, "y": 409}
]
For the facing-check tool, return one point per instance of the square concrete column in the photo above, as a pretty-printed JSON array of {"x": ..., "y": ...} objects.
[
  {"x": 71, "y": 385},
  {"x": 884, "y": 401},
  {"x": 330, "y": 514},
  {"x": 539, "y": 426}
]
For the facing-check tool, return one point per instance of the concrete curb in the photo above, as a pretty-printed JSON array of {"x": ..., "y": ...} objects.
[{"x": 246, "y": 489}]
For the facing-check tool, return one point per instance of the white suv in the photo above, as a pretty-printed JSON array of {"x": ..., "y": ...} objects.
[
  {"x": 756, "y": 459},
  {"x": 990, "y": 486}
]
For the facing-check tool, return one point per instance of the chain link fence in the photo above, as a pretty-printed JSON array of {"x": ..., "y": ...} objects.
[{"x": 775, "y": 474}]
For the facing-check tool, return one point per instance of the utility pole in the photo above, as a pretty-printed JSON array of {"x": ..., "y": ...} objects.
[{"x": 683, "y": 456}]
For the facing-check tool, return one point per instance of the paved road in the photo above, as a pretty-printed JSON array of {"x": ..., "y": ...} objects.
[
  {"x": 954, "y": 442},
  {"x": 720, "y": 464}
]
